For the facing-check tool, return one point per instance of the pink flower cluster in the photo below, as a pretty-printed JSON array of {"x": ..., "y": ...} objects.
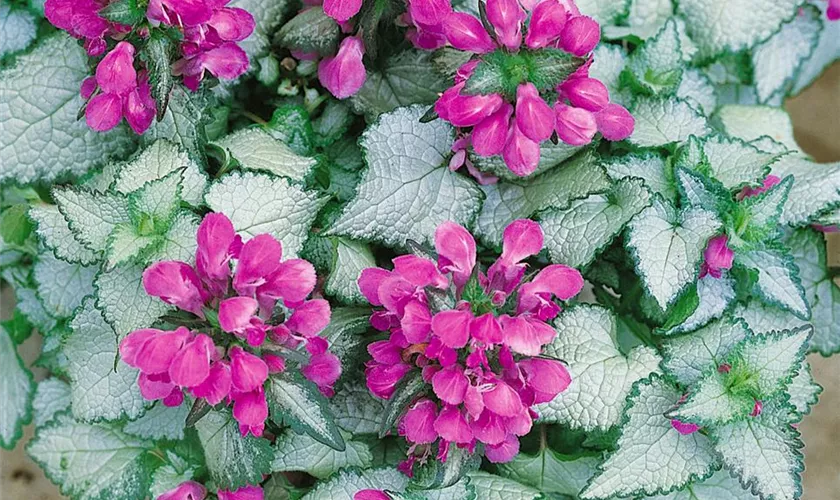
[
  {"x": 516, "y": 129},
  {"x": 833, "y": 12},
  {"x": 210, "y": 32},
  {"x": 247, "y": 343},
  {"x": 482, "y": 357},
  {"x": 191, "y": 490}
]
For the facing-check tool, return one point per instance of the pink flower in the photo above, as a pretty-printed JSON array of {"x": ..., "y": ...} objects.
[
  {"x": 451, "y": 425},
  {"x": 580, "y": 35},
  {"x": 382, "y": 379},
  {"x": 158, "y": 351},
  {"x": 684, "y": 428},
  {"x": 416, "y": 322},
  {"x": 188, "y": 490},
  {"x": 456, "y": 251},
  {"x": 575, "y": 126},
  {"x": 521, "y": 239},
  {"x": 292, "y": 282},
  {"x": 191, "y": 366},
  {"x": 216, "y": 387},
  {"x": 429, "y": 12},
  {"x": 244, "y": 493},
  {"x": 250, "y": 410},
  {"x": 115, "y": 74},
  {"x": 521, "y": 154},
  {"x": 80, "y": 18},
  {"x": 586, "y": 93},
  {"x": 450, "y": 384},
  {"x": 757, "y": 408},
  {"x": 717, "y": 257},
  {"x": 533, "y": 116},
  {"x": 371, "y": 495},
  {"x": 323, "y": 369},
  {"x": 248, "y": 372},
  {"x": 614, "y": 122},
  {"x": 217, "y": 242},
  {"x": 344, "y": 74},
  {"x": 466, "y": 110},
  {"x": 768, "y": 182},
  {"x": 175, "y": 283},
  {"x": 546, "y": 377},
  {"x": 452, "y": 327},
  {"x": 418, "y": 423},
  {"x": 507, "y": 17},
  {"x": 227, "y": 61},
  {"x": 342, "y": 10},
  {"x": 833, "y": 12},
  {"x": 259, "y": 258},
  {"x": 465, "y": 32},
  {"x": 555, "y": 280},
  {"x": 489, "y": 135},
  {"x": 503, "y": 452},
  {"x": 310, "y": 318},
  {"x": 547, "y": 21}
]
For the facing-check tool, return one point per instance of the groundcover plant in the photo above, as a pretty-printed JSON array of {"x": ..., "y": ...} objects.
[{"x": 423, "y": 249}]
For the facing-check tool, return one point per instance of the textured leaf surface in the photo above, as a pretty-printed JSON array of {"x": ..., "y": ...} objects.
[
  {"x": 816, "y": 188},
  {"x": 777, "y": 60},
  {"x": 92, "y": 461},
  {"x": 407, "y": 190},
  {"x": 299, "y": 452},
  {"x": 123, "y": 300},
  {"x": 604, "y": 11},
  {"x": 752, "y": 122},
  {"x": 735, "y": 163},
  {"x": 56, "y": 235},
  {"x": 662, "y": 121},
  {"x": 158, "y": 160},
  {"x": 651, "y": 456},
  {"x": 62, "y": 286},
  {"x": 601, "y": 375},
  {"x": 17, "y": 29},
  {"x": 233, "y": 461},
  {"x": 715, "y": 295},
  {"x": 101, "y": 387},
  {"x": 40, "y": 137},
  {"x": 351, "y": 258},
  {"x": 256, "y": 149},
  {"x": 739, "y": 24},
  {"x": 406, "y": 78},
  {"x": 721, "y": 485},
  {"x": 298, "y": 403},
  {"x": 650, "y": 168},
  {"x": 575, "y": 236},
  {"x": 357, "y": 411},
  {"x": 16, "y": 388},
  {"x": 803, "y": 390},
  {"x": 506, "y": 202},
  {"x": 778, "y": 279},
  {"x": 550, "y": 472},
  {"x": 260, "y": 203},
  {"x": 764, "y": 453},
  {"x": 51, "y": 397},
  {"x": 345, "y": 484},
  {"x": 607, "y": 66},
  {"x": 92, "y": 216},
  {"x": 551, "y": 155},
  {"x": 774, "y": 357},
  {"x": 690, "y": 356},
  {"x": 491, "y": 487},
  {"x": 160, "y": 422},
  {"x": 712, "y": 403},
  {"x": 657, "y": 65},
  {"x": 826, "y": 52},
  {"x": 668, "y": 247},
  {"x": 698, "y": 90},
  {"x": 267, "y": 15}
]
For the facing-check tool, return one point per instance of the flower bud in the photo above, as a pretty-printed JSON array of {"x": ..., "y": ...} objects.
[
  {"x": 465, "y": 32},
  {"x": 547, "y": 21},
  {"x": 533, "y": 116},
  {"x": 574, "y": 126},
  {"x": 587, "y": 93},
  {"x": 580, "y": 35},
  {"x": 614, "y": 122},
  {"x": 506, "y": 16},
  {"x": 521, "y": 154},
  {"x": 344, "y": 74}
]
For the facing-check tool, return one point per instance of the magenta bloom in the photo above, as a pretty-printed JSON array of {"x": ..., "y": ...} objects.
[
  {"x": 833, "y": 12},
  {"x": 514, "y": 124},
  {"x": 684, "y": 428},
  {"x": 188, "y": 490},
  {"x": 244, "y": 493},
  {"x": 768, "y": 182},
  {"x": 717, "y": 257},
  {"x": 478, "y": 358},
  {"x": 342, "y": 10},
  {"x": 80, "y": 18},
  {"x": 233, "y": 364},
  {"x": 344, "y": 74}
]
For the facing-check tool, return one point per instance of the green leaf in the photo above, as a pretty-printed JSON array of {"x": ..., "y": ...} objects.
[
  {"x": 689, "y": 357},
  {"x": 651, "y": 456},
  {"x": 508, "y": 201},
  {"x": 184, "y": 121},
  {"x": 777, "y": 60},
  {"x": 386, "y": 208},
  {"x": 52, "y": 396},
  {"x": 44, "y": 140},
  {"x": 297, "y": 402},
  {"x": 348, "y": 482},
  {"x": 123, "y": 12},
  {"x": 406, "y": 391},
  {"x": 55, "y": 233},
  {"x": 696, "y": 88},
  {"x": 125, "y": 245},
  {"x": 752, "y": 122},
  {"x": 737, "y": 25},
  {"x": 406, "y": 78},
  {"x": 488, "y": 77},
  {"x": 551, "y": 156},
  {"x": 667, "y": 247},
  {"x": 343, "y": 332},
  {"x": 16, "y": 388},
  {"x": 92, "y": 216},
  {"x": 158, "y": 53},
  {"x": 550, "y": 472},
  {"x": 157, "y": 161},
  {"x": 715, "y": 295},
  {"x": 18, "y": 29},
  {"x": 778, "y": 279},
  {"x": 701, "y": 191},
  {"x": 101, "y": 387},
  {"x": 601, "y": 375},
  {"x": 333, "y": 122},
  {"x": 268, "y": 14},
  {"x": 357, "y": 410},
  {"x": 260, "y": 203},
  {"x": 816, "y": 188},
  {"x": 809, "y": 251},
  {"x": 160, "y": 422},
  {"x": 179, "y": 243},
  {"x": 310, "y": 31},
  {"x": 62, "y": 286},
  {"x": 233, "y": 461},
  {"x": 711, "y": 402},
  {"x": 351, "y": 258},
  {"x": 656, "y": 66},
  {"x": 803, "y": 391},
  {"x": 607, "y": 66},
  {"x": 153, "y": 206},
  {"x": 551, "y": 67},
  {"x": 299, "y": 452},
  {"x": 761, "y": 318},
  {"x": 15, "y": 227},
  {"x": 171, "y": 475},
  {"x": 93, "y": 461},
  {"x": 291, "y": 124},
  {"x": 256, "y": 149},
  {"x": 123, "y": 300},
  {"x": 490, "y": 487},
  {"x": 651, "y": 168},
  {"x": 825, "y": 53},
  {"x": 644, "y": 19},
  {"x": 720, "y": 485},
  {"x": 773, "y": 357},
  {"x": 764, "y": 452},
  {"x": 577, "y": 235},
  {"x": 663, "y": 121},
  {"x": 764, "y": 211},
  {"x": 606, "y": 12},
  {"x": 736, "y": 164}
]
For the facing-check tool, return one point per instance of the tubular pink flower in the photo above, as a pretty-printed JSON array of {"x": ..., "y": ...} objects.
[
  {"x": 547, "y": 21},
  {"x": 191, "y": 366},
  {"x": 158, "y": 351},
  {"x": 310, "y": 318},
  {"x": 235, "y": 313},
  {"x": 580, "y": 35},
  {"x": 546, "y": 377},
  {"x": 104, "y": 112},
  {"x": 369, "y": 282},
  {"x": 419, "y": 271},
  {"x": 503, "y": 452},
  {"x": 115, "y": 74},
  {"x": 524, "y": 336},
  {"x": 521, "y": 239},
  {"x": 344, "y": 74},
  {"x": 833, "y": 12},
  {"x": 466, "y": 110},
  {"x": 173, "y": 12},
  {"x": 521, "y": 154},
  {"x": 371, "y": 495},
  {"x": 586, "y": 93},
  {"x": 486, "y": 328},
  {"x": 416, "y": 322},
  {"x": 259, "y": 258},
  {"x": 139, "y": 107},
  {"x": 507, "y": 17},
  {"x": 175, "y": 283},
  {"x": 502, "y": 400},
  {"x": 452, "y": 426},
  {"x": 248, "y": 372},
  {"x": 574, "y": 126},
  {"x": 342, "y": 10},
  {"x": 555, "y": 280},
  {"x": 418, "y": 423},
  {"x": 456, "y": 251},
  {"x": 292, "y": 282},
  {"x": 450, "y": 384},
  {"x": 216, "y": 238},
  {"x": 188, "y": 490},
  {"x": 614, "y": 122},
  {"x": 250, "y": 410},
  {"x": 465, "y": 32},
  {"x": 244, "y": 493},
  {"x": 684, "y": 428},
  {"x": 133, "y": 343},
  {"x": 717, "y": 257},
  {"x": 533, "y": 116},
  {"x": 216, "y": 387},
  {"x": 452, "y": 327},
  {"x": 155, "y": 387},
  {"x": 227, "y": 61},
  {"x": 489, "y": 135},
  {"x": 323, "y": 369},
  {"x": 489, "y": 428},
  {"x": 232, "y": 24},
  {"x": 429, "y": 12},
  {"x": 383, "y": 379}
]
